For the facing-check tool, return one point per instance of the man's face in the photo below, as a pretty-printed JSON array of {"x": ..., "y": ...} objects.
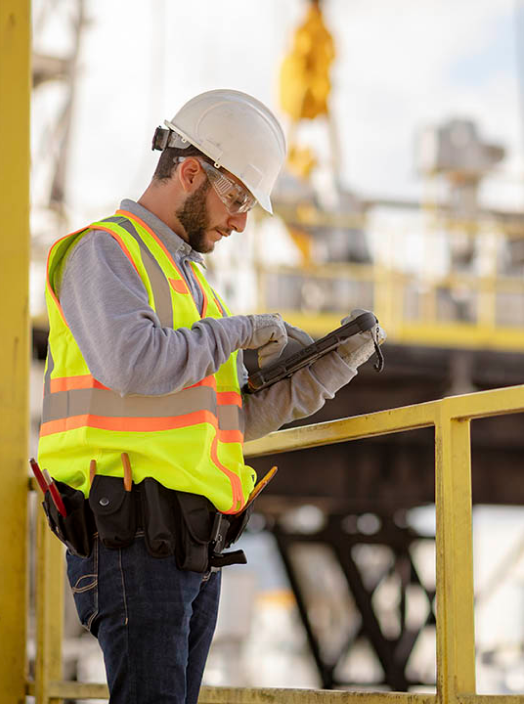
[{"x": 206, "y": 219}]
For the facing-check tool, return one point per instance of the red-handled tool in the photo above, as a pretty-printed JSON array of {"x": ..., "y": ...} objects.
[
  {"x": 55, "y": 494},
  {"x": 38, "y": 474}
]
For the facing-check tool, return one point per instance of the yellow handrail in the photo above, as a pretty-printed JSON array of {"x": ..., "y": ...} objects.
[{"x": 451, "y": 418}]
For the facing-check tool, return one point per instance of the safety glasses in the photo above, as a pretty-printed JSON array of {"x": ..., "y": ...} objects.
[{"x": 234, "y": 197}]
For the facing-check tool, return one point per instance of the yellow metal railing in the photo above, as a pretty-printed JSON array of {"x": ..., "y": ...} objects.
[
  {"x": 451, "y": 418},
  {"x": 417, "y": 283},
  {"x": 456, "y": 310}
]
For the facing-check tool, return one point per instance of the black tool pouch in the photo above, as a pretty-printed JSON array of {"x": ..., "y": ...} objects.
[
  {"x": 114, "y": 510},
  {"x": 193, "y": 524},
  {"x": 237, "y": 524},
  {"x": 76, "y": 530},
  {"x": 158, "y": 512}
]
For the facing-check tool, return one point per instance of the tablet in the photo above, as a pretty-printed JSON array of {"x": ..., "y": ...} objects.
[{"x": 283, "y": 368}]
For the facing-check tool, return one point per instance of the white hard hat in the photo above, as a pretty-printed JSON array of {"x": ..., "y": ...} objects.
[{"x": 239, "y": 133}]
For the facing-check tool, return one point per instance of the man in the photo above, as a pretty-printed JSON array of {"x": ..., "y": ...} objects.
[{"x": 144, "y": 382}]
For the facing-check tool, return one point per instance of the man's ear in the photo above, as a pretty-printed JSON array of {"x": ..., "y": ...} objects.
[{"x": 190, "y": 174}]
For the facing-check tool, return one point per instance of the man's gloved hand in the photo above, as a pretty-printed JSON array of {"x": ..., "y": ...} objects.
[
  {"x": 359, "y": 348},
  {"x": 298, "y": 335},
  {"x": 269, "y": 337}
]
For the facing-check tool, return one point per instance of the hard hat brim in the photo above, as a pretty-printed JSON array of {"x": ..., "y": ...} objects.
[{"x": 264, "y": 201}]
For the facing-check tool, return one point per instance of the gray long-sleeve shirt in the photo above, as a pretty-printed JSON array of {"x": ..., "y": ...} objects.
[{"x": 125, "y": 346}]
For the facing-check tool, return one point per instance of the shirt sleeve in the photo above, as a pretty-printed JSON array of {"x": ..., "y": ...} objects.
[
  {"x": 105, "y": 304},
  {"x": 297, "y": 397}
]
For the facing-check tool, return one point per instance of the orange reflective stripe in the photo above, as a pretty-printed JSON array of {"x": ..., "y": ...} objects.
[
  {"x": 230, "y": 436},
  {"x": 139, "y": 425},
  {"x": 229, "y": 398},
  {"x": 179, "y": 285},
  {"x": 219, "y": 305},
  {"x": 69, "y": 383},
  {"x": 206, "y": 381},
  {"x": 234, "y": 479}
]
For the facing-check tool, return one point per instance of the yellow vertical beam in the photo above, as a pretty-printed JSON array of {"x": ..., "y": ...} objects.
[
  {"x": 455, "y": 611},
  {"x": 49, "y": 610},
  {"x": 15, "y": 90}
]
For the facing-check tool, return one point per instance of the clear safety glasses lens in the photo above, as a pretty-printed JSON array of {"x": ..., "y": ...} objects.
[{"x": 235, "y": 198}]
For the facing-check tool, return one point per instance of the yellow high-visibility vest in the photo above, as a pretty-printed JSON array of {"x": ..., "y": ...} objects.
[{"x": 190, "y": 440}]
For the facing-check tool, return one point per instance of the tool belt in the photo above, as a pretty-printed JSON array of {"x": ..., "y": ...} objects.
[{"x": 187, "y": 526}]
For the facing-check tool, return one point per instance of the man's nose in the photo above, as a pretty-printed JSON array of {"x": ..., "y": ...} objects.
[{"x": 237, "y": 222}]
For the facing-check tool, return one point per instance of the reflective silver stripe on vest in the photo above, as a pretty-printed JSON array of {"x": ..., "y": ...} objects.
[
  {"x": 47, "y": 375},
  {"x": 230, "y": 418},
  {"x": 242, "y": 380},
  {"x": 159, "y": 282},
  {"x": 104, "y": 402}
]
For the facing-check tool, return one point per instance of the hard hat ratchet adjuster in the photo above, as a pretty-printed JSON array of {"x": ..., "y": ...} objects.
[{"x": 164, "y": 138}]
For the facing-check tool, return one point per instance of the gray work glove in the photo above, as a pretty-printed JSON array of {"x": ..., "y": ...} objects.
[
  {"x": 269, "y": 337},
  {"x": 359, "y": 348},
  {"x": 298, "y": 335}
]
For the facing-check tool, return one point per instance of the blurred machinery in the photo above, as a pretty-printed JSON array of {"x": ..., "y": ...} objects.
[{"x": 455, "y": 152}]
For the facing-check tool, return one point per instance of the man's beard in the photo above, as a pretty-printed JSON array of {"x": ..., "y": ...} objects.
[{"x": 194, "y": 219}]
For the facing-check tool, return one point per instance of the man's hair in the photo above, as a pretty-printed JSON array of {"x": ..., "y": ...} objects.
[{"x": 168, "y": 161}]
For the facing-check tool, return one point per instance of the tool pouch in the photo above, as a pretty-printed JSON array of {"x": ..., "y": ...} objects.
[
  {"x": 193, "y": 526},
  {"x": 179, "y": 523},
  {"x": 114, "y": 510},
  {"x": 237, "y": 524},
  {"x": 76, "y": 530},
  {"x": 158, "y": 512}
]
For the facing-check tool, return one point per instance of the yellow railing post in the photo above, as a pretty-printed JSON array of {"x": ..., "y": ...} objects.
[
  {"x": 49, "y": 610},
  {"x": 455, "y": 617},
  {"x": 15, "y": 90}
]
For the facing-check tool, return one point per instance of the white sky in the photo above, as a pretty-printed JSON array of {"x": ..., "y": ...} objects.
[{"x": 400, "y": 65}]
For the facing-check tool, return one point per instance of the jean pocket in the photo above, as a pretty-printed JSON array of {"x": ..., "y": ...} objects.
[{"x": 82, "y": 573}]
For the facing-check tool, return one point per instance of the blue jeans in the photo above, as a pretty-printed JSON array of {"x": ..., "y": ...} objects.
[{"x": 153, "y": 621}]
